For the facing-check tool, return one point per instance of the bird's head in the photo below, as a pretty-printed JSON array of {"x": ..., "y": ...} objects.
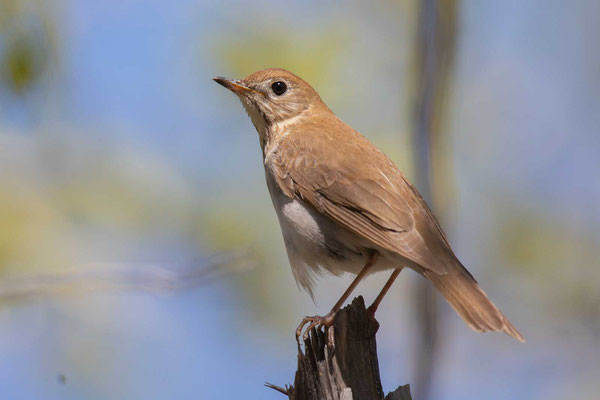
[{"x": 272, "y": 96}]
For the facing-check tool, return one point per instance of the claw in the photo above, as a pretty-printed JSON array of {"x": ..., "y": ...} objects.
[
  {"x": 299, "y": 329},
  {"x": 312, "y": 325},
  {"x": 317, "y": 322},
  {"x": 305, "y": 320},
  {"x": 331, "y": 341},
  {"x": 371, "y": 315},
  {"x": 371, "y": 311}
]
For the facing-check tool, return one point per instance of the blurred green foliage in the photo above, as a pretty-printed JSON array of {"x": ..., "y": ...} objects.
[
  {"x": 312, "y": 52},
  {"x": 28, "y": 43},
  {"x": 59, "y": 190},
  {"x": 547, "y": 249}
]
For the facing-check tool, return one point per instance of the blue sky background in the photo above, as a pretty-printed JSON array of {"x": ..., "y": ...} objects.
[{"x": 125, "y": 151}]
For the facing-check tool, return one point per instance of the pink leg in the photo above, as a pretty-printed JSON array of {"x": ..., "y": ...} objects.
[
  {"x": 328, "y": 320},
  {"x": 373, "y": 307}
]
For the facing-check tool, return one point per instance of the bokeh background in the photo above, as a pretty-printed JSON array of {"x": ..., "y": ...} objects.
[{"x": 139, "y": 253}]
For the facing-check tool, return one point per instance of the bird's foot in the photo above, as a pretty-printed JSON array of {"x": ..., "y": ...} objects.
[
  {"x": 371, "y": 315},
  {"x": 318, "y": 321},
  {"x": 371, "y": 312}
]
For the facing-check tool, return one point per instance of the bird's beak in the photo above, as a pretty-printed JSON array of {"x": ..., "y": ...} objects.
[{"x": 235, "y": 85}]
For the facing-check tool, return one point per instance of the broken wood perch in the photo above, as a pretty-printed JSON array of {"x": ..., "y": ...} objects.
[{"x": 352, "y": 373}]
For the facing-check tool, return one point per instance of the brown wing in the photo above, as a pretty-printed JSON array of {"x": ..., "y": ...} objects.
[{"x": 361, "y": 189}]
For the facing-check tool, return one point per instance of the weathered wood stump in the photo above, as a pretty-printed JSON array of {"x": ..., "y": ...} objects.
[{"x": 352, "y": 372}]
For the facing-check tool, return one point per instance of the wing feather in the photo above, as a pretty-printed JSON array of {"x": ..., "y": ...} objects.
[{"x": 372, "y": 199}]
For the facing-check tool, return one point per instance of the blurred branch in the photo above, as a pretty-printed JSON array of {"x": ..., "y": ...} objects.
[
  {"x": 124, "y": 277},
  {"x": 435, "y": 51}
]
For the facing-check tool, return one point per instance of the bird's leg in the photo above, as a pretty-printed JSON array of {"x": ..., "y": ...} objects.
[
  {"x": 327, "y": 320},
  {"x": 373, "y": 307}
]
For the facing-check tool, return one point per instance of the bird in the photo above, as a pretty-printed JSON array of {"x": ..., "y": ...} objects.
[{"x": 344, "y": 207}]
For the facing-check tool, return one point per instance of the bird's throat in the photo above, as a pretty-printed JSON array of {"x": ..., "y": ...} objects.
[{"x": 259, "y": 120}]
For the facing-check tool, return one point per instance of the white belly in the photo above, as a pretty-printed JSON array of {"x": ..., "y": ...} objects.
[{"x": 314, "y": 243}]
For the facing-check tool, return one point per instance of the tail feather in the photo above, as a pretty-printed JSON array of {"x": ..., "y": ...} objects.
[{"x": 471, "y": 303}]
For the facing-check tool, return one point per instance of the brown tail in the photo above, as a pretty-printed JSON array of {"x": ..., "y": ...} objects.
[{"x": 471, "y": 303}]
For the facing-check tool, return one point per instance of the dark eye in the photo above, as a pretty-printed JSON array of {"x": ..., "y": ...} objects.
[{"x": 279, "y": 88}]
